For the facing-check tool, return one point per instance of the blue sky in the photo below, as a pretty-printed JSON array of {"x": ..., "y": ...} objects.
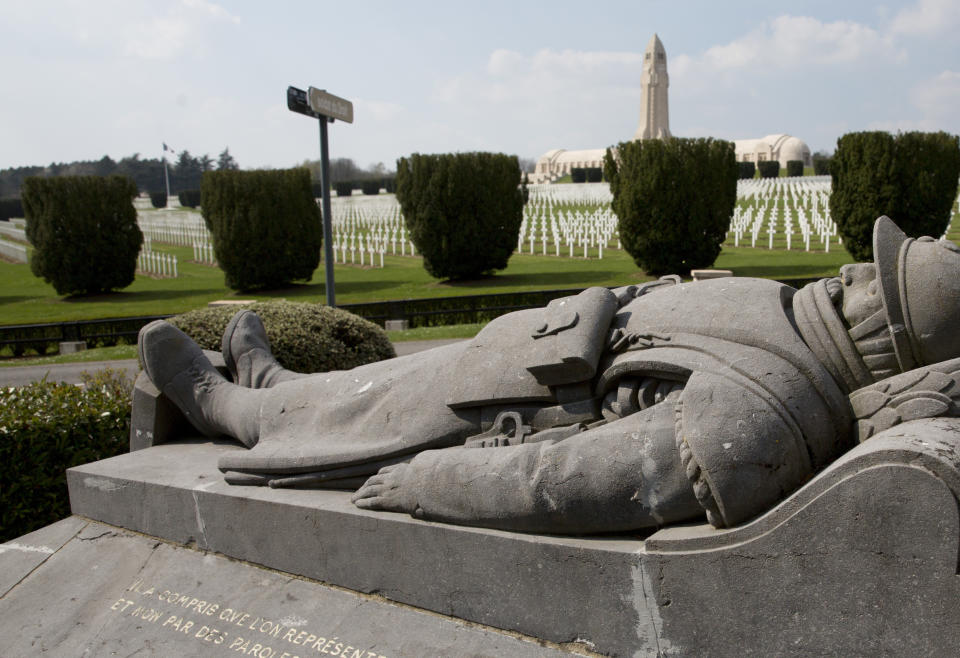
[{"x": 87, "y": 78}]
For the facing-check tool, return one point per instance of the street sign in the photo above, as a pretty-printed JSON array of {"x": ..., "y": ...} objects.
[
  {"x": 329, "y": 105},
  {"x": 318, "y": 104},
  {"x": 297, "y": 102}
]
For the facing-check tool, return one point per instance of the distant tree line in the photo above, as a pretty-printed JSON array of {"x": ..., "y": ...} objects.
[
  {"x": 147, "y": 174},
  {"x": 346, "y": 176}
]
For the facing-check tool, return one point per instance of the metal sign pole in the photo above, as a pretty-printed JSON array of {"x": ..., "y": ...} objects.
[
  {"x": 326, "y": 107},
  {"x": 327, "y": 221}
]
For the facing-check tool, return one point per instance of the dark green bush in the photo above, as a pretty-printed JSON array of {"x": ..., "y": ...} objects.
[
  {"x": 462, "y": 210},
  {"x": 769, "y": 168},
  {"x": 674, "y": 199},
  {"x": 821, "y": 163},
  {"x": 370, "y": 186},
  {"x": 594, "y": 174},
  {"x": 794, "y": 167},
  {"x": 578, "y": 175},
  {"x": 746, "y": 169},
  {"x": 10, "y": 208},
  {"x": 265, "y": 225},
  {"x": 189, "y": 198},
  {"x": 344, "y": 188},
  {"x": 158, "y": 199},
  {"x": 303, "y": 337},
  {"x": 390, "y": 184},
  {"x": 910, "y": 177},
  {"x": 45, "y": 428},
  {"x": 84, "y": 232}
]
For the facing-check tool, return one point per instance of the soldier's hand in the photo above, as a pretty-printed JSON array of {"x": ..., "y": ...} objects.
[{"x": 385, "y": 491}]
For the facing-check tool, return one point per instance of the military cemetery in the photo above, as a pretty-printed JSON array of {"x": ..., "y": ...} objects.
[{"x": 679, "y": 395}]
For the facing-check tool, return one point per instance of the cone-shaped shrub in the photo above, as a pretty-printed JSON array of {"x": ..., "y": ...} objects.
[
  {"x": 463, "y": 210},
  {"x": 84, "y": 232},
  {"x": 265, "y": 225},
  {"x": 674, "y": 199}
]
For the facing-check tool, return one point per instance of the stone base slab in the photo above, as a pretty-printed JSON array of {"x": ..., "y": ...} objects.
[
  {"x": 82, "y": 588},
  {"x": 861, "y": 560}
]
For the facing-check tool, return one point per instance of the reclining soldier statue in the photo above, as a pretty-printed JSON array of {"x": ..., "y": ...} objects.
[{"x": 606, "y": 411}]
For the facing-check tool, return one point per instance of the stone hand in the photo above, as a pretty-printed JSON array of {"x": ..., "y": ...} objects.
[{"x": 386, "y": 491}]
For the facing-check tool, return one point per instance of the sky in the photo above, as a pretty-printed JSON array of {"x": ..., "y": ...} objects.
[{"x": 86, "y": 78}]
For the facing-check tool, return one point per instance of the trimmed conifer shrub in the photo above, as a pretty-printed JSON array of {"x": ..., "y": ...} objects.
[
  {"x": 189, "y": 198},
  {"x": 370, "y": 186},
  {"x": 303, "y": 337},
  {"x": 462, "y": 210},
  {"x": 594, "y": 174},
  {"x": 265, "y": 225},
  {"x": 794, "y": 167},
  {"x": 84, "y": 232},
  {"x": 821, "y": 164},
  {"x": 910, "y": 177},
  {"x": 674, "y": 199},
  {"x": 158, "y": 199},
  {"x": 344, "y": 188},
  {"x": 578, "y": 175},
  {"x": 10, "y": 208},
  {"x": 746, "y": 169},
  {"x": 769, "y": 168}
]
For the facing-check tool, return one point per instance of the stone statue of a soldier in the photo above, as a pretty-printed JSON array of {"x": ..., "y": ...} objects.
[{"x": 606, "y": 411}]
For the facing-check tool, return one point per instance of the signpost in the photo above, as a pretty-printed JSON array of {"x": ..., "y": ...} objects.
[{"x": 325, "y": 107}]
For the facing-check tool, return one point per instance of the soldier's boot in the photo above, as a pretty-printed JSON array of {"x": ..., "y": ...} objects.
[
  {"x": 179, "y": 369},
  {"x": 246, "y": 351}
]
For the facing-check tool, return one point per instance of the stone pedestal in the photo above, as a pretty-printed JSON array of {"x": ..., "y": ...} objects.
[
  {"x": 72, "y": 346},
  {"x": 861, "y": 560}
]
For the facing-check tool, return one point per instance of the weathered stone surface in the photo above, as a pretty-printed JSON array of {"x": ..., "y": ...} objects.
[
  {"x": 109, "y": 592},
  {"x": 154, "y": 418},
  {"x": 861, "y": 560}
]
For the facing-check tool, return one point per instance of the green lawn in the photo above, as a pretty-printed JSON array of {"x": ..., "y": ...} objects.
[{"x": 26, "y": 299}]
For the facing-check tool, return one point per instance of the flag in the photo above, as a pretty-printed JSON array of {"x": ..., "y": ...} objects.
[{"x": 167, "y": 148}]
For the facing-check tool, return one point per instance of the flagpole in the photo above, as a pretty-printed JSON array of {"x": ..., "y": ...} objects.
[{"x": 166, "y": 175}]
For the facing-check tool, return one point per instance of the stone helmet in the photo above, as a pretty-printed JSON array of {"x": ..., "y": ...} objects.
[{"x": 919, "y": 283}]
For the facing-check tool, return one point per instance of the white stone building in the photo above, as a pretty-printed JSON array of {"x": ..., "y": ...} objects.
[
  {"x": 782, "y": 148},
  {"x": 655, "y": 124}
]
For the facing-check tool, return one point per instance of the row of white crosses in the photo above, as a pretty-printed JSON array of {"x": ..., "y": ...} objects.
[
  {"x": 157, "y": 263},
  {"x": 182, "y": 228},
  {"x": 762, "y": 202},
  {"x": 365, "y": 227},
  {"x": 203, "y": 252},
  {"x": 555, "y": 215}
]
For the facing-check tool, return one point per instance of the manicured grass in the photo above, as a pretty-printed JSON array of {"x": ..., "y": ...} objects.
[
  {"x": 94, "y": 354},
  {"x": 26, "y": 299}
]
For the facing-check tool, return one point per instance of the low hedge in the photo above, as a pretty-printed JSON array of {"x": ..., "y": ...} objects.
[
  {"x": 158, "y": 199},
  {"x": 303, "y": 337},
  {"x": 47, "y": 427},
  {"x": 189, "y": 198},
  {"x": 769, "y": 168},
  {"x": 10, "y": 208}
]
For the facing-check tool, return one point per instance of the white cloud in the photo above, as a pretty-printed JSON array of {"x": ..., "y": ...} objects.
[
  {"x": 938, "y": 96},
  {"x": 131, "y": 28},
  {"x": 935, "y": 101},
  {"x": 794, "y": 42},
  {"x": 927, "y": 17}
]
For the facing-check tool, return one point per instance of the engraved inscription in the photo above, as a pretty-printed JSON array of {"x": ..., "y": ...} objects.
[{"x": 236, "y": 630}]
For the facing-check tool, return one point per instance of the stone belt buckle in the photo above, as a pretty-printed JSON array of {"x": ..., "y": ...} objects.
[{"x": 498, "y": 435}]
